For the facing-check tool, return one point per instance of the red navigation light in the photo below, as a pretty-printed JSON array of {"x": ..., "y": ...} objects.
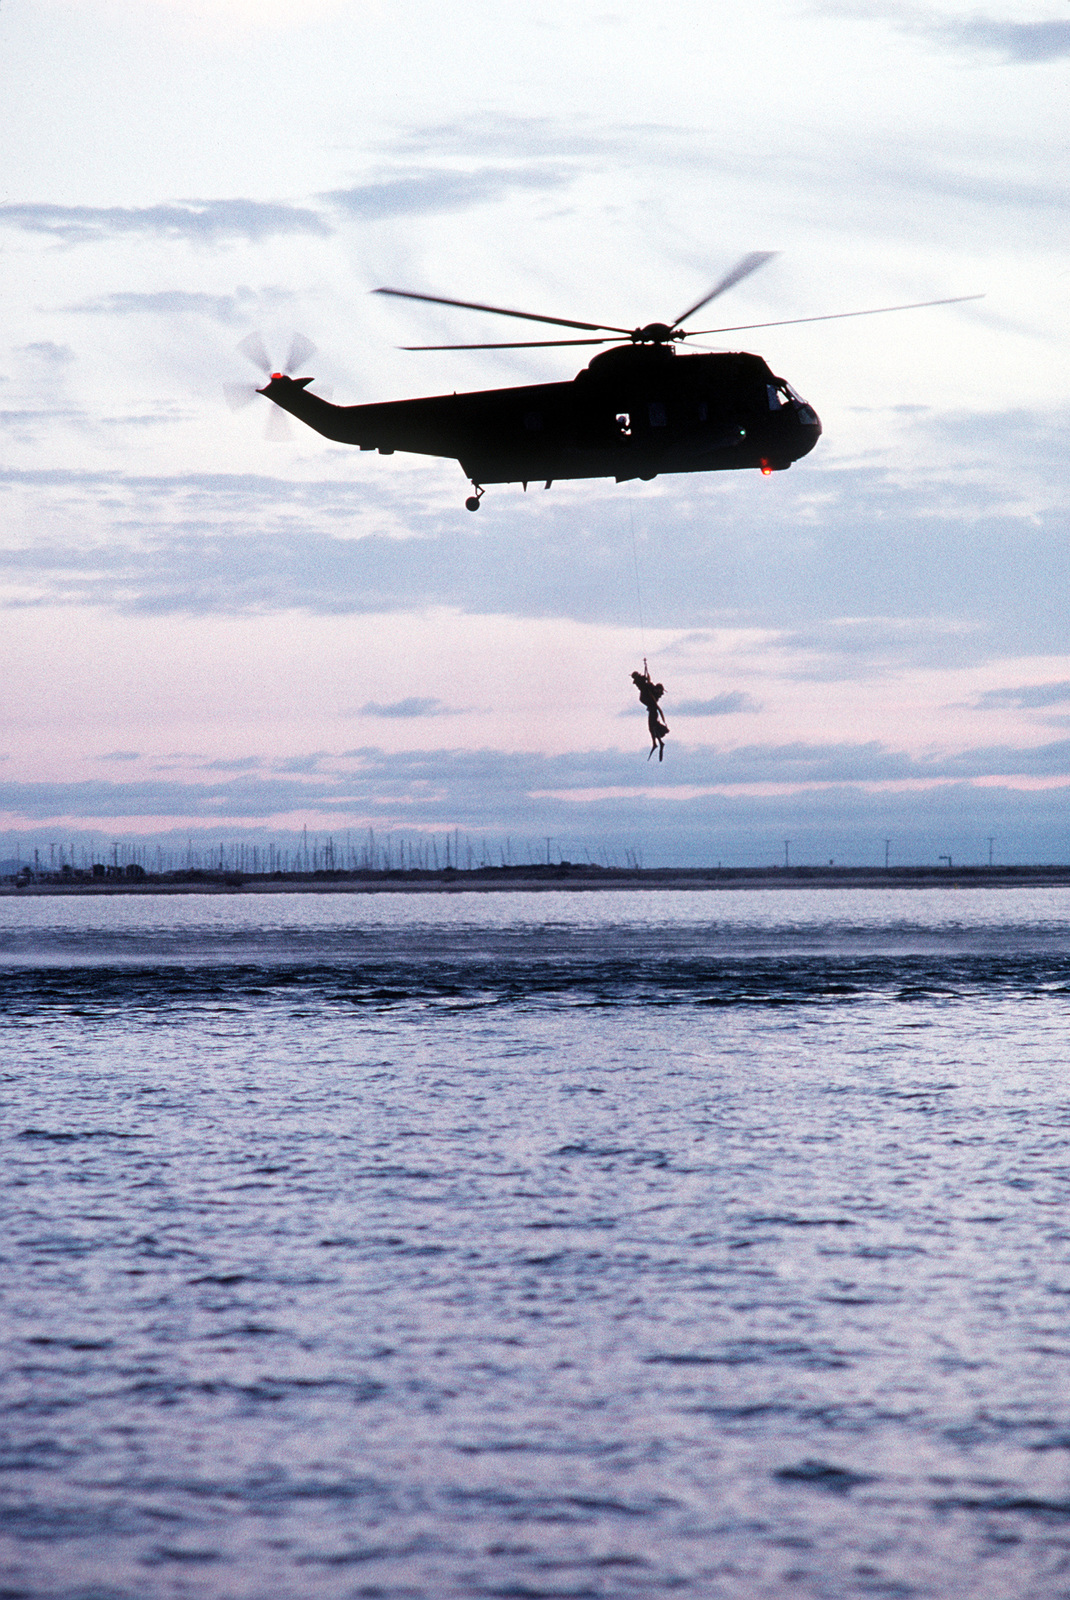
[
  {"x": 766, "y": 468},
  {"x": 275, "y": 375}
]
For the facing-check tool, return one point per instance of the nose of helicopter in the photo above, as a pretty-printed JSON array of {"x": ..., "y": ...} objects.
[{"x": 809, "y": 426}]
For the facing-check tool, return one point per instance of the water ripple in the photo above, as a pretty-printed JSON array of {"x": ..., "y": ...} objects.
[{"x": 638, "y": 1250}]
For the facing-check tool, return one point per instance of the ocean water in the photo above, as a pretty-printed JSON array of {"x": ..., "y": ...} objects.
[{"x": 546, "y": 1245}]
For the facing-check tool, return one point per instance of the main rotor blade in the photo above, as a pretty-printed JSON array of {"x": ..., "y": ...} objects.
[
  {"x": 741, "y": 270},
  {"x": 836, "y": 316},
  {"x": 520, "y": 344},
  {"x": 498, "y": 311}
]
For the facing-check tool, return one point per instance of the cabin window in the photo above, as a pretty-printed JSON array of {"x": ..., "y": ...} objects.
[
  {"x": 533, "y": 421},
  {"x": 624, "y": 424},
  {"x": 657, "y": 414}
]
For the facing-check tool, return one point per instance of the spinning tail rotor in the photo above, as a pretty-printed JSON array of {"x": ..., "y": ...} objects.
[{"x": 240, "y": 395}]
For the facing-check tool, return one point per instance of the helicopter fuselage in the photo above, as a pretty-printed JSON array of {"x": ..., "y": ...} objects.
[{"x": 635, "y": 411}]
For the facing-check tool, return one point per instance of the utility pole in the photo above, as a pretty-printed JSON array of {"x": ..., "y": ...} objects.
[
  {"x": 786, "y": 844},
  {"x": 887, "y": 847},
  {"x": 991, "y": 842}
]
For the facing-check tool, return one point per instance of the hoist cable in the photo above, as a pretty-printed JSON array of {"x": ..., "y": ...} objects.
[{"x": 638, "y": 586}]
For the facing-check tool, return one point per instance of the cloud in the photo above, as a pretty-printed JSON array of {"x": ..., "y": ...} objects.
[
  {"x": 1029, "y": 697},
  {"x": 595, "y": 799},
  {"x": 430, "y": 192},
  {"x": 121, "y": 755},
  {"x": 239, "y": 764},
  {"x": 849, "y": 826},
  {"x": 501, "y": 135},
  {"x": 873, "y": 762},
  {"x": 48, "y": 352},
  {"x": 859, "y": 570},
  {"x": 722, "y": 705},
  {"x": 1018, "y": 42},
  {"x": 834, "y": 649},
  {"x": 423, "y": 192},
  {"x": 435, "y": 787},
  {"x": 19, "y": 423},
  {"x": 199, "y": 221},
  {"x": 225, "y": 308},
  {"x": 414, "y": 706},
  {"x": 920, "y": 189}
]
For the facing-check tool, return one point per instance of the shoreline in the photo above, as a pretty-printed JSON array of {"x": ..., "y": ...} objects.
[{"x": 553, "y": 877}]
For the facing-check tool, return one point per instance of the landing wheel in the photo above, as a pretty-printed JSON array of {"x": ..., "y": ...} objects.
[{"x": 472, "y": 503}]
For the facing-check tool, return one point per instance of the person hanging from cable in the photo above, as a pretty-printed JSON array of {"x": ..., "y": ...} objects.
[{"x": 650, "y": 694}]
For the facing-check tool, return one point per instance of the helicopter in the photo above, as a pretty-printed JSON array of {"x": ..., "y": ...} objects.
[{"x": 635, "y": 411}]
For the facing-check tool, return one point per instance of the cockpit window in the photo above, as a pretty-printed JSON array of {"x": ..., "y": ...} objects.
[{"x": 781, "y": 394}]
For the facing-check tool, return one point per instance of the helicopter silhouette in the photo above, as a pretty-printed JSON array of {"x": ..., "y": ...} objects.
[{"x": 635, "y": 411}]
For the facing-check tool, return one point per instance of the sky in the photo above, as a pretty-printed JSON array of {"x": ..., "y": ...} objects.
[{"x": 212, "y": 634}]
